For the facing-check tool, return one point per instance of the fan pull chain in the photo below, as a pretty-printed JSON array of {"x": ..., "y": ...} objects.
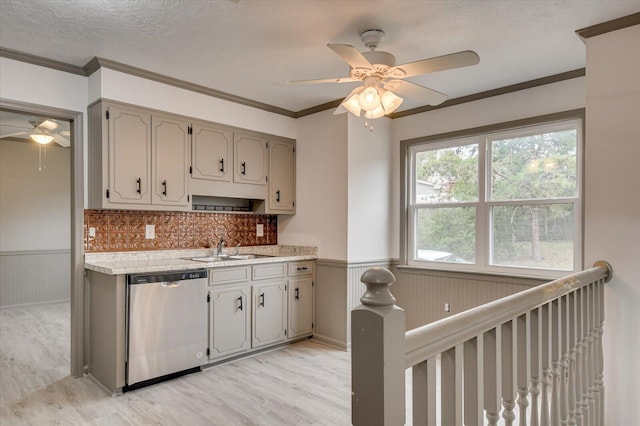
[
  {"x": 366, "y": 124},
  {"x": 42, "y": 164}
]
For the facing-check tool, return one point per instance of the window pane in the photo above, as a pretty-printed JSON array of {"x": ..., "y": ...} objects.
[
  {"x": 447, "y": 175},
  {"x": 534, "y": 236},
  {"x": 539, "y": 166},
  {"x": 446, "y": 234}
]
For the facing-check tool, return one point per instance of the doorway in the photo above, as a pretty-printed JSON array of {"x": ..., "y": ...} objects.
[{"x": 76, "y": 205}]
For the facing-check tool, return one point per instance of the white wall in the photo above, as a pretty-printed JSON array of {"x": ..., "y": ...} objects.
[
  {"x": 321, "y": 180},
  {"x": 34, "y": 205},
  {"x": 370, "y": 184},
  {"x": 612, "y": 213}
]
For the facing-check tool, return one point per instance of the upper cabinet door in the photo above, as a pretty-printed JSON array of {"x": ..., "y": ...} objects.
[
  {"x": 129, "y": 155},
  {"x": 211, "y": 153},
  {"x": 170, "y": 148},
  {"x": 282, "y": 176},
  {"x": 250, "y": 158}
]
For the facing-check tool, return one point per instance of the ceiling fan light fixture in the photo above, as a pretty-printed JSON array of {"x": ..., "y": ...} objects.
[
  {"x": 352, "y": 105},
  {"x": 369, "y": 99},
  {"x": 41, "y": 138},
  {"x": 390, "y": 101}
]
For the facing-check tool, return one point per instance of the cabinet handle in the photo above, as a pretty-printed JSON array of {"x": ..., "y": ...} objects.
[
  {"x": 278, "y": 195},
  {"x": 139, "y": 185},
  {"x": 222, "y": 165},
  {"x": 297, "y": 293},
  {"x": 244, "y": 168},
  {"x": 261, "y": 303},
  {"x": 240, "y": 300},
  {"x": 304, "y": 268},
  {"x": 164, "y": 188}
]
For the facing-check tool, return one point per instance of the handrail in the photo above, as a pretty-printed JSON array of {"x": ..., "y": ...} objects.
[{"x": 421, "y": 343}]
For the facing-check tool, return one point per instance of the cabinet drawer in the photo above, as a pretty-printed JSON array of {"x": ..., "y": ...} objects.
[
  {"x": 301, "y": 268},
  {"x": 228, "y": 275},
  {"x": 269, "y": 270}
]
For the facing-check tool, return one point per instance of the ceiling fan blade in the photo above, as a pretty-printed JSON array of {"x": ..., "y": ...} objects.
[
  {"x": 8, "y": 135},
  {"x": 416, "y": 91},
  {"x": 438, "y": 63},
  {"x": 351, "y": 55},
  {"x": 325, "y": 80},
  {"x": 48, "y": 124},
  {"x": 62, "y": 141}
]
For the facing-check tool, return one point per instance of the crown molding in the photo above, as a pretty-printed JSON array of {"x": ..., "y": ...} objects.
[
  {"x": 97, "y": 63},
  {"x": 495, "y": 92},
  {"x": 41, "y": 61},
  {"x": 607, "y": 27}
]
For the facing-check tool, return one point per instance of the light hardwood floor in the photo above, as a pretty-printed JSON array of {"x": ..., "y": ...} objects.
[{"x": 302, "y": 384}]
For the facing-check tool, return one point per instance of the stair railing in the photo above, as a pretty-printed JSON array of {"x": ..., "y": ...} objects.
[{"x": 535, "y": 357}]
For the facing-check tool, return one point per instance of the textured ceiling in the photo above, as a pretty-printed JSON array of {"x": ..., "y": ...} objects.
[{"x": 243, "y": 47}]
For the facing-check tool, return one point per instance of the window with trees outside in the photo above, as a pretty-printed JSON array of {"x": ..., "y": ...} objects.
[{"x": 502, "y": 202}]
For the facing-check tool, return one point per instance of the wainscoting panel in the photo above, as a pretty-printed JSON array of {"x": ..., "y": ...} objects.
[
  {"x": 331, "y": 303},
  {"x": 338, "y": 291},
  {"x": 423, "y": 294},
  {"x": 29, "y": 277}
]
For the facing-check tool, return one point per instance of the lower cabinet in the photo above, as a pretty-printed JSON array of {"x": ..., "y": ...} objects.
[
  {"x": 229, "y": 331},
  {"x": 300, "y": 321},
  {"x": 269, "y": 321},
  {"x": 256, "y": 306}
]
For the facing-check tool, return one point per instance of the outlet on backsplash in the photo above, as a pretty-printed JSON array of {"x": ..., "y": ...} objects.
[{"x": 125, "y": 230}]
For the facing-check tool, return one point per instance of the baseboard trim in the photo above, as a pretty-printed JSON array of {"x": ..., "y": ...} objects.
[{"x": 328, "y": 341}]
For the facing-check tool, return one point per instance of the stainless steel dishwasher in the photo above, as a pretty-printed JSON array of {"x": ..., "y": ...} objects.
[{"x": 166, "y": 325}]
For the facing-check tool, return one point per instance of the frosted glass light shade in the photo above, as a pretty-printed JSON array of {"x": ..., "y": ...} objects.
[
  {"x": 352, "y": 105},
  {"x": 369, "y": 99},
  {"x": 41, "y": 138},
  {"x": 390, "y": 101}
]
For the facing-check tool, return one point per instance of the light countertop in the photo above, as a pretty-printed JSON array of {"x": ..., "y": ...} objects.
[{"x": 118, "y": 263}]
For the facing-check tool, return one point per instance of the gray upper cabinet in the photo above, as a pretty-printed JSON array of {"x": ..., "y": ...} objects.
[
  {"x": 282, "y": 176},
  {"x": 147, "y": 159},
  {"x": 170, "y": 142},
  {"x": 212, "y": 148},
  {"x": 138, "y": 158},
  {"x": 250, "y": 158},
  {"x": 129, "y": 154}
]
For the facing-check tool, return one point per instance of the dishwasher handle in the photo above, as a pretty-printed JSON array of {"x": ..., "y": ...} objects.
[{"x": 171, "y": 284}]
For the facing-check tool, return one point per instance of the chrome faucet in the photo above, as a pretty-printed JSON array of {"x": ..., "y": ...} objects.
[{"x": 220, "y": 245}]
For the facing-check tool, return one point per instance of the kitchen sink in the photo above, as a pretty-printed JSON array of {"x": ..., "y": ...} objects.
[
  {"x": 223, "y": 257},
  {"x": 214, "y": 258}
]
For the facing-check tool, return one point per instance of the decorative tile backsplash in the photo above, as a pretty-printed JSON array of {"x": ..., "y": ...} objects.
[{"x": 124, "y": 230}]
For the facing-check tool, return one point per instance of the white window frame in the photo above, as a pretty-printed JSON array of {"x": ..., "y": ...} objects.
[{"x": 483, "y": 227}]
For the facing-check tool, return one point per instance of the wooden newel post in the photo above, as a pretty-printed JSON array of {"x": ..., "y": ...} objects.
[{"x": 377, "y": 354}]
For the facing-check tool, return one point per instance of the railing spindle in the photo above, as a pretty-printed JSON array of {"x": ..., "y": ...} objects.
[
  {"x": 473, "y": 395},
  {"x": 424, "y": 393},
  {"x": 556, "y": 360},
  {"x": 508, "y": 358},
  {"x": 492, "y": 375},
  {"x": 573, "y": 338},
  {"x": 523, "y": 337},
  {"x": 535, "y": 325}
]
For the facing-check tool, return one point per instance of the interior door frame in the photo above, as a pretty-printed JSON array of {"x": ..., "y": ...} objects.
[{"x": 77, "y": 295}]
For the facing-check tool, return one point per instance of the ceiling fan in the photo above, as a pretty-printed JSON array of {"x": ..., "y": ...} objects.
[
  {"x": 42, "y": 132},
  {"x": 382, "y": 80}
]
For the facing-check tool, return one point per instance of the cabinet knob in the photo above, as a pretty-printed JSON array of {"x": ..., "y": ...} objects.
[
  {"x": 240, "y": 300},
  {"x": 244, "y": 168},
  {"x": 297, "y": 293},
  {"x": 278, "y": 195},
  {"x": 139, "y": 185},
  {"x": 261, "y": 302},
  {"x": 222, "y": 165},
  {"x": 164, "y": 188}
]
